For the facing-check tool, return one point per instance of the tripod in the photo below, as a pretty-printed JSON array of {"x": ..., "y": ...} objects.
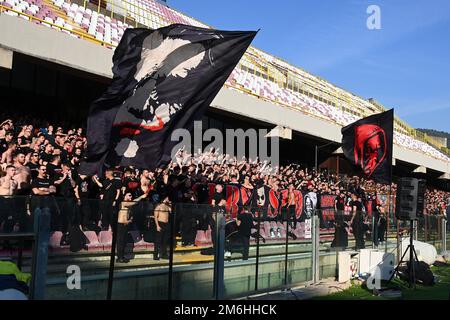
[{"x": 412, "y": 259}]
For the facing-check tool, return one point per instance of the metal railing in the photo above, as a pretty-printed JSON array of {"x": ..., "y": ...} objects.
[{"x": 203, "y": 244}]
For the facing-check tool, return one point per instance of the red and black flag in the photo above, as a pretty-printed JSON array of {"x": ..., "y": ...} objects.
[
  {"x": 367, "y": 143},
  {"x": 164, "y": 79}
]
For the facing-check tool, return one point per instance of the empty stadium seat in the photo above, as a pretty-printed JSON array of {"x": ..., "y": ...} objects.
[
  {"x": 55, "y": 242},
  {"x": 200, "y": 238},
  {"x": 267, "y": 228},
  {"x": 55, "y": 239},
  {"x": 105, "y": 237},
  {"x": 298, "y": 232},
  {"x": 208, "y": 236},
  {"x": 93, "y": 244},
  {"x": 261, "y": 232}
]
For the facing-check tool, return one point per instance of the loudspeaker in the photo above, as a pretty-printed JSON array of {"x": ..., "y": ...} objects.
[{"x": 410, "y": 198}]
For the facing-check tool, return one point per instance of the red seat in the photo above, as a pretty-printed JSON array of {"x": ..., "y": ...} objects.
[
  {"x": 267, "y": 228},
  {"x": 283, "y": 233},
  {"x": 298, "y": 232},
  {"x": 105, "y": 237},
  {"x": 200, "y": 237},
  {"x": 208, "y": 236},
  {"x": 92, "y": 237},
  {"x": 55, "y": 239},
  {"x": 93, "y": 243},
  {"x": 281, "y": 225}
]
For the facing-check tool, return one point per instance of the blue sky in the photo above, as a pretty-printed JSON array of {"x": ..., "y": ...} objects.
[{"x": 404, "y": 65}]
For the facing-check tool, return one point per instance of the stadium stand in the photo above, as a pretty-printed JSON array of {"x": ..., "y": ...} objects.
[{"x": 258, "y": 74}]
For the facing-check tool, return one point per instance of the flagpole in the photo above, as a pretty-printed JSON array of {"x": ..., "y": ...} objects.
[{"x": 388, "y": 218}]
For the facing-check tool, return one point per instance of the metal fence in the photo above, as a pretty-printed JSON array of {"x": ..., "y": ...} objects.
[{"x": 203, "y": 253}]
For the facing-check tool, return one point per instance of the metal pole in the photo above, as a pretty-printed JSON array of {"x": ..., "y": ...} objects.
[
  {"x": 316, "y": 155},
  {"x": 219, "y": 261},
  {"x": 416, "y": 228},
  {"x": 388, "y": 218},
  {"x": 373, "y": 231},
  {"x": 316, "y": 245},
  {"x": 286, "y": 252},
  {"x": 313, "y": 244},
  {"x": 42, "y": 231},
  {"x": 19, "y": 258},
  {"x": 112, "y": 255},
  {"x": 399, "y": 243},
  {"x": 257, "y": 250},
  {"x": 412, "y": 280},
  {"x": 444, "y": 236},
  {"x": 172, "y": 218}
]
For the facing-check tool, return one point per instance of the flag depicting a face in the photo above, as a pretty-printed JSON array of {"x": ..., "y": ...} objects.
[
  {"x": 164, "y": 79},
  {"x": 370, "y": 147},
  {"x": 367, "y": 143},
  {"x": 154, "y": 100}
]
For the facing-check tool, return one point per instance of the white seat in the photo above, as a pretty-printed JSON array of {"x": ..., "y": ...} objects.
[
  {"x": 78, "y": 17},
  {"x": 92, "y": 30},
  {"x": 99, "y": 36}
]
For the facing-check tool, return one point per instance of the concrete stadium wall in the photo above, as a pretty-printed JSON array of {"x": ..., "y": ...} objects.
[
  {"x": 48, "y": 44},
  {"x": 20, "y": 35}
]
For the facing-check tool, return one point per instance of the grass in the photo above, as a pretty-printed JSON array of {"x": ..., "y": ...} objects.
[{"x": 440, "y": 291}]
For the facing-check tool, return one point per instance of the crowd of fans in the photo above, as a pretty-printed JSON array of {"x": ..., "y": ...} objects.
[{"x": 41, "y": 160}]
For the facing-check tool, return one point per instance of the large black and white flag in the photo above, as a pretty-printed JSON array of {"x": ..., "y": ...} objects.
[{"x": 164, "y": 79}]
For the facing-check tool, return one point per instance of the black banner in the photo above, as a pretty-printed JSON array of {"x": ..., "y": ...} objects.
[
  {"x": 367, "y": 143},
  {"x": 164, "y": 79}
]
